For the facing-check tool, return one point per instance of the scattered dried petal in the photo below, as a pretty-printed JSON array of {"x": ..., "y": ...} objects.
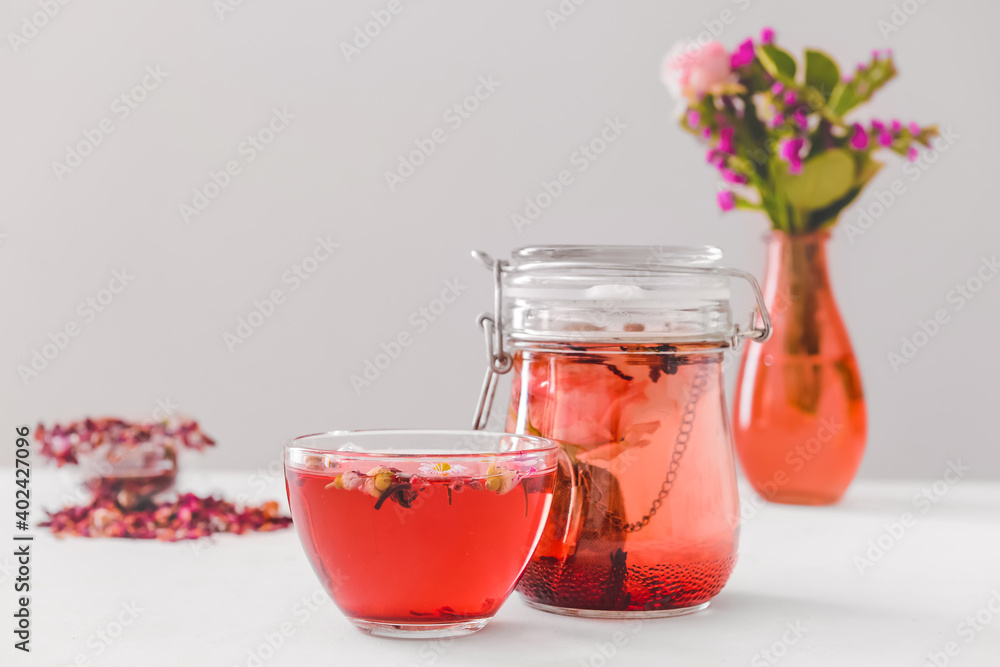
[{"x": 186, "y": 518}]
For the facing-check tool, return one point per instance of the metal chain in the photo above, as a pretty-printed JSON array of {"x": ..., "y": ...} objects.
[{"x": 698, "y": 385}]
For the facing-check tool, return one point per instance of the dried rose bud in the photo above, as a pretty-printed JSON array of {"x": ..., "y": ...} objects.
[
  {"x": 351, "y": 480},
  {"x": 127, "y": 499},
  {"x": 102, "y": 517},
  {"x": 499, "y": 478},
  {"x": 379, "y": 479},
  {"x": 313, "y": 461}
]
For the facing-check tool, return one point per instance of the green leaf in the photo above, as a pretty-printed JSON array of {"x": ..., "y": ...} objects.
[
  {"x": 746, "y": 205},
  {"x": 824, "y": 179},
  {"x": 867, "y": 169},
  {"x": 773, "y": 199},
  {"x": 827, "y": 216},
  {"x": 822, "y": 72},
  {"x": 865, "y": 83},
  {"x": 778, "y": 63}
]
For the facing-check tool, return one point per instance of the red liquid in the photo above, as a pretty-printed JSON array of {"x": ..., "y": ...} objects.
[
  {"x": 446, "y": 558},
  {"x": 618, "y": 416}
]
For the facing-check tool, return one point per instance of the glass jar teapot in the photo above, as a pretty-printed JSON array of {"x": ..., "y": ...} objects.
[{"x": 617, "y": 353}]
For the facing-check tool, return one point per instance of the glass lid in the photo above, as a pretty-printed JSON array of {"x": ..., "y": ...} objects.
[{"x": 617, "y": 293}]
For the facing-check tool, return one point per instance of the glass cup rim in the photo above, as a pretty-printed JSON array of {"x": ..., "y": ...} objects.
[{"x": 545, "y": 445}]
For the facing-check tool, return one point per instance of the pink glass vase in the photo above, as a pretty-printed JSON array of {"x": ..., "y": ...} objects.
[{"x": 800, "y": 421}]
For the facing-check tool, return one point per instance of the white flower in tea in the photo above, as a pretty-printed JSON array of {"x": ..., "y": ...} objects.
[{"x": 441, "y": 469}]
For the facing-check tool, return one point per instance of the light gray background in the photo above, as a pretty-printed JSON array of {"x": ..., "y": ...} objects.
[{"x": 161, "y": 339}]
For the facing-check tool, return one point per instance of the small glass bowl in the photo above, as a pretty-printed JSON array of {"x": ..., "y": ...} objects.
[
  {"x": 419, "y": 533},
  {"x": 132, "y": 473}
]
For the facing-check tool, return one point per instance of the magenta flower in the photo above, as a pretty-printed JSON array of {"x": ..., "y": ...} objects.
[
  {"x": 859, "y": 138},
  {"x": 789, "y": 150},
  {"x": 731, "y": 176},
  {"x": 726, "y": 200},
  {"x": 878, "y": 125},
  {"x": 897, "y": 127},
  {"x": 706, "y": 132},
  {"x": 777, "y": 120},
  {"x": 912, "y": 154},
  {"x": 715, "y": 158},
  {"x": 884, "y": 138},
  {"x": 743, "y": 55},
  {"x": 777, "y": 88},
  {"x": 694, "y": 118},
  {"x": 767, "y": 36},
  {"x": 914, "y": 129},
  {"x": 800, "y": 117},
  {"x": 726, "y": 140},
  {"x": 791, "y": 97}
]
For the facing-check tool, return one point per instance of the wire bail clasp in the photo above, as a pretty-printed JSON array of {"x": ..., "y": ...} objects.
[
  {"x": 755, "y": 333},
  {"x": 498, "y": 361}
]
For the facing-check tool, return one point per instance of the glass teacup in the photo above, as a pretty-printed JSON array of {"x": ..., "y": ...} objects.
[{"x": 419, "y": 533}]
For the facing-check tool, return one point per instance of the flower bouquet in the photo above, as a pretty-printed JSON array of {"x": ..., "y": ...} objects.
[{"x": 778, "y": 133}]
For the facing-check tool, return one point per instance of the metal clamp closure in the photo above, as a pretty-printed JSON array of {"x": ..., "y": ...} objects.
[{"x": 498, "y": 361}]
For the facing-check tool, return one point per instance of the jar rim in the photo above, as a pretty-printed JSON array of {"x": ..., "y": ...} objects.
[{"x": 528, "y": 258}]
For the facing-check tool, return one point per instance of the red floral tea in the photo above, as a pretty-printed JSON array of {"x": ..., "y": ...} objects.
[
  {"x": 653, "y": 515},
  {"x": 438, "y": 544}
]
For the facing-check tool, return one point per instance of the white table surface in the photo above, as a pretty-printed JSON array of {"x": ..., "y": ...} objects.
[{"x": 217, "y": 603}]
